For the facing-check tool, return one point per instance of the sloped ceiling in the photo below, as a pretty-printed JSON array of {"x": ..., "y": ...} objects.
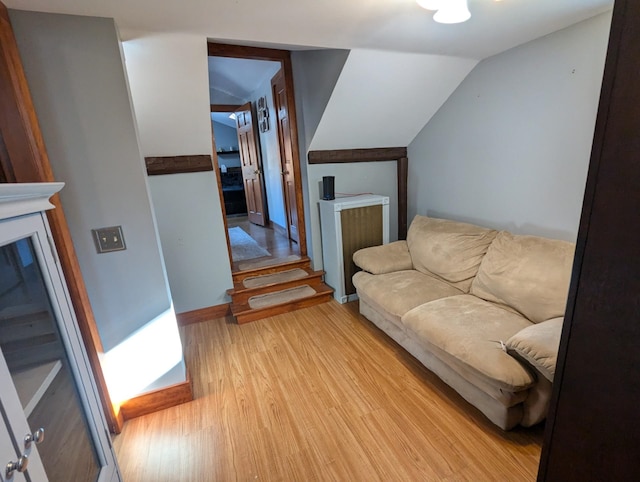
[
  {"x": 384, "y": 99},
  {"x": 238, "y": 78},
  {"x": 399, "y": 25},
  {"x": 402, "y": 66}
]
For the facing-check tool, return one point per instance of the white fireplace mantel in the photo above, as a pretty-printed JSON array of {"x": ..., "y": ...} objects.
[{"x": 26, "y": 198}]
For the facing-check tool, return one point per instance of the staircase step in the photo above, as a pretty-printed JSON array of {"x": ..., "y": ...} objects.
[
  {"x": 241, "y": 295},
  {"x": 273, "y": 278},
  {"x": 282, "y": 301},
  {"x": 280, "y": 297},
  {"x": 302, "y": 263},
  {"x": 253, "y": 264}
]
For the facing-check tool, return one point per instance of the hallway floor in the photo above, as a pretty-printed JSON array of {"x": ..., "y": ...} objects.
[{"x": 270, "y": 239}]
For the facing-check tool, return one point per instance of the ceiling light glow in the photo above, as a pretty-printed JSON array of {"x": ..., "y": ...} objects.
[{"x": 452, "y": 11}]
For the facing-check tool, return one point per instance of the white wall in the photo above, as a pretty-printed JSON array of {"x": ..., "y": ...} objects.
[
  {"x": 383, "y": 98},
  {"x": 511, "y": 147},
  {"x": 315, "y": 73},
  {"x": 169, "y": 80},
  {"x": 198, "y": 271},
  {"x": 75, "y": 72}
]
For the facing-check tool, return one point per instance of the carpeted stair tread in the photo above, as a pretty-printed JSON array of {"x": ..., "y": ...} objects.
[
  {"x": 273, "y": 278},
  {"x": 280, "y": 297},
  {"x": 267, "y": 262}
]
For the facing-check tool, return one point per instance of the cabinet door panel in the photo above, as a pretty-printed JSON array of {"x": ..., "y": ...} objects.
[
  {"x": 7, "y": 454},
  {"x": 42, "y": 358}
]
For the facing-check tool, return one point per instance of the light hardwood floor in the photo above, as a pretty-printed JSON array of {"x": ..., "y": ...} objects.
[
  {"x": 277, "y": 244},
  {"x": 317, "y": 394}
]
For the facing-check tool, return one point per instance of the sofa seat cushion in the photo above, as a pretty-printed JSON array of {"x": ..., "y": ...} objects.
[
  {"x": 528, "y": 273},
  {"x": 448, "y": 249},
  {"x": 398, "y": 292},
  {"x": 472, "y": 332}
]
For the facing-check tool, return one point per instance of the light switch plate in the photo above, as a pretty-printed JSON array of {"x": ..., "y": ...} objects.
[{"x": 109, "y": 239}]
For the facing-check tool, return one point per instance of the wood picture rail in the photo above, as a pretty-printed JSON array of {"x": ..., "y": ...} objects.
[
  {"x": 178, "y": 164},
  {"x": 398, "y": 154}
]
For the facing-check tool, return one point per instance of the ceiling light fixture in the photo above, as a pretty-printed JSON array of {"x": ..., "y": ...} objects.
[{"x": 447, "y": 11}]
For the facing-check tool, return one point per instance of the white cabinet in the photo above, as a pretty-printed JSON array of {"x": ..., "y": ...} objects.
[
  {"x": 349, "y": 224},
  {"x": 50, "y": 413}
]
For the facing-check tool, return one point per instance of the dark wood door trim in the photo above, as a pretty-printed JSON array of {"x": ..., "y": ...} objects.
[
  {"x": 178, "y": 164},
  {"x": 215, "y": 49},
  {"x": 284, "y": 57},
  {"x": 376, "y": 154},
  {"x": 592, "y": 429},
  {"x": 35, "y": 167},
  {"x": 224, "y": 107}
]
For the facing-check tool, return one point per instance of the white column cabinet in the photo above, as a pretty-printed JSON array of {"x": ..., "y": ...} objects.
[
  {"x": 50, "y": 413},
  {"x": 349, "y": 224}
]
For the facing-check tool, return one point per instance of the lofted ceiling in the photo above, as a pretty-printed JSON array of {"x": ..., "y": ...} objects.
[
  {"x": 401, "y": 68},
  {"x": 398, "y": 25},
  {"x": 238, "y": 78}
]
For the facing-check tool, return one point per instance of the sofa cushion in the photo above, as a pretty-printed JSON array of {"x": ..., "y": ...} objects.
[
  {"x": 385, "y": 258},
  {"x": 449, "y": 249},
  {"x": 472, "y": 332},
  {"x": 400, "y": 291},
  {"x": 528, "y": 273},
  {"x": 538, "y": 345}
]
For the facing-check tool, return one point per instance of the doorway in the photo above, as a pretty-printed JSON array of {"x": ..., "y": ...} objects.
[{"x": 256, "y": 157}]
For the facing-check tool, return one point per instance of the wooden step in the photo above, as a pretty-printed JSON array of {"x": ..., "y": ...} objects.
[
  {"x": 244, "y": 313},
  {"x": 241, "y": 295},
  {"x": 303, "y": 263}
]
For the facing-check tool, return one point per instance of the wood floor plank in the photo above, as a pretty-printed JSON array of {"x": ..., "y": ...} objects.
[{"x": 317, "y": 394}]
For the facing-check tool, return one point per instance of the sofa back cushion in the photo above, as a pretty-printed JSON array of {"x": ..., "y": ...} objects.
[
  {"x": 528, "y": 273},
  {"x": 448, "y": 249}
]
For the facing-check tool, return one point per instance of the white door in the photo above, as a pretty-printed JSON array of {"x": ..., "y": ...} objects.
[{"x": 48, "y": 394}]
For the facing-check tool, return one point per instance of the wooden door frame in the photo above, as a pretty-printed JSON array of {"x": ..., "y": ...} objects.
[{"x": 215, "y": 49}]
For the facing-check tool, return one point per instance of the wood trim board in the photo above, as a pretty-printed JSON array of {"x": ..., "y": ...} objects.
[
  {"x": 224, "y": 107},
  {"x": 377, "y": 154},
  {"x": 178, "y": 164},
  {"x": 157, "y": 400},
  {"x": 203, "y": 314}
]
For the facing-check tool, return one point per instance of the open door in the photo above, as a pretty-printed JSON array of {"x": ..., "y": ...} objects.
[
  {"x": 279, "y": 90},
  {"x": 251, "y": 166}
]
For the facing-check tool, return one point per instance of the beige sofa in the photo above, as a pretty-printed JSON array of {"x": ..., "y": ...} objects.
[{"x": 482, "y": 309}]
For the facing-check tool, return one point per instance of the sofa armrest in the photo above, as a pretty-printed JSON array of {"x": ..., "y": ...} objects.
[
  {"x": 385, "y": 258},
  {"x": 538, "y": 346}
]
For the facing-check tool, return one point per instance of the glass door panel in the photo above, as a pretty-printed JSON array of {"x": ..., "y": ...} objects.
[{"x": 35, "y": 353}]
